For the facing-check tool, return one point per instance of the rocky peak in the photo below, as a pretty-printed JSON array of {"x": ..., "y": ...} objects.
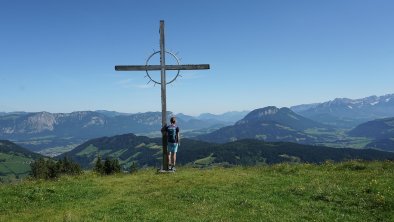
[
  {"x": 260, "y": 114},
  {"x": 40, "y": 121},
  {"x": 270, "y": 110}
]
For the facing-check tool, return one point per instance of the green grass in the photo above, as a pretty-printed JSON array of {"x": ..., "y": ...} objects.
[
  {"x": 338, "y": 138},
  {"x": 205, "y": 161},
  {"x": 90, "y": 150},
  {"x": 350, "y": 142},
  {"x": 350, "y": 191},
  {"x": 118, "y": 153},
  {"x": 13, "y": 167}
]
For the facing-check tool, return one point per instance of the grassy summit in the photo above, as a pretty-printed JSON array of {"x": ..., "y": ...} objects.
[{"x": 349, "y": 191}]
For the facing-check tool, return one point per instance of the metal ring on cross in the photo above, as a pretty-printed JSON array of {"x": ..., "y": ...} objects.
[{"x": 177, "y": 61}]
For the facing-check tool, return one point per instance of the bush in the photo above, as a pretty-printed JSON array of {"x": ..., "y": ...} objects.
[
  {"x": 109, "y": 166},
  {"x": 67, "y": 166},
  {"x": 133, "y": 167},
  {"x": 353, "y": 165},
  {"x": 39, "y": 169}
]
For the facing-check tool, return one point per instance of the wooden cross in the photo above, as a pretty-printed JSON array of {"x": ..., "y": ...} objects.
[{"x": 162, "y": 67}]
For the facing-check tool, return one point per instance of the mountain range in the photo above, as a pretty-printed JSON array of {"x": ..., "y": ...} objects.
[
  {"x": 348, "y": 113},
  {"x": 267, "y": 135},
  {"x": 88, "y": 124},
  {"x": 274, "y": 124},
  {"x": 41, "y": 130},
  {"x": 317, "y": 124},
  {"x": 85, "y": 124}
]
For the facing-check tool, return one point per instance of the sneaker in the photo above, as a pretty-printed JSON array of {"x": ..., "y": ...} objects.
[{"x": 173, "y": 168}]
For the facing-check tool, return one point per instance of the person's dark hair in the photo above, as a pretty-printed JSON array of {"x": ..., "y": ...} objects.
[{"x": 173, "y": 119}]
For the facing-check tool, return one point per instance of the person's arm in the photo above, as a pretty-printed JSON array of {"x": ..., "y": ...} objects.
[
  {"x": 178, "y": 136},
  {"x": 164, "y": 129}
]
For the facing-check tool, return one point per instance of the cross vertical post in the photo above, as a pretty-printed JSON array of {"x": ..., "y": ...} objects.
[{"x": 163, "y": 94}]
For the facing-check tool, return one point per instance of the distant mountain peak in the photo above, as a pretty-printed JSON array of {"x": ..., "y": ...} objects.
[
  {"x": 266, "y": 113},
  {"x": 370, "y": 100},
  {"x": 347, "y": 113},
  {"x": 270, "y": 124},
  {"x": 283, "y": 116}
]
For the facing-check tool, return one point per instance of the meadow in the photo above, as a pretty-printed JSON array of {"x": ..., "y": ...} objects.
[{"x": 347, "y": 191}]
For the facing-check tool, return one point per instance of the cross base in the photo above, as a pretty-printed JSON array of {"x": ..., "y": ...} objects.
[{"x": 165, "y": 171}]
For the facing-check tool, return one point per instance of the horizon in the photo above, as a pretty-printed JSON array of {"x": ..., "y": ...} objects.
[
  {"x": 199, "y": 114},
  {"x": 60, "y": 56}
]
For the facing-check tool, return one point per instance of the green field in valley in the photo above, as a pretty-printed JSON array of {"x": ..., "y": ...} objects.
[{"x": 13, "y": 167}]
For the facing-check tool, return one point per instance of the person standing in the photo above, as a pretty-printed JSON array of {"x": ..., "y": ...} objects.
[{"x": 173, "y": 141}]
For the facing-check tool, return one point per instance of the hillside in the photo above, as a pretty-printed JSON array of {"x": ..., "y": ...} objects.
[
  {"x": 377, "y": 129},
  {"x": 251, "y": 152},
  {"x": 348, "y": 113},
  {"x": 144, "y": 151},
  {"x": 350, "y": 191},
  {"x": 382, "y": 144},
  {"x": 14, "y": 161},
  {"x": 269, "y": 124},
  {"x": 380, "y": 130},
  {"x": 127, "y": 148}
]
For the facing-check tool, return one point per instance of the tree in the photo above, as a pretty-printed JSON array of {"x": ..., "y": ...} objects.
[
  {"x": 108, "y": 166},
  {"x": 99, "y": 168},
  {"x": 52, "y": 169},
  {"x": 69, "y": 167},
  {"x": 115, "y": 166},
  {"x": 39, "y": 170},
  {"x": 48, "y": 169}
]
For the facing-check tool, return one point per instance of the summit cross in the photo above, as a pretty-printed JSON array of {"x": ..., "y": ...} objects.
[{"x": 163, "y": 82}]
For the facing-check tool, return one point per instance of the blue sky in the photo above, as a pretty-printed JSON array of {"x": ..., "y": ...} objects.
[{"x": 59, "y": 56}]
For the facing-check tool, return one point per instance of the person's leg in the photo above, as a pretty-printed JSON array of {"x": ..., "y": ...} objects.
[
  {"x": 173, "y": 158},
  {"x": 169, "y": 159}
]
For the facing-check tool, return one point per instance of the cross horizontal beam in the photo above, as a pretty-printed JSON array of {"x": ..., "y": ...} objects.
[{"x": 158, "y": 67}]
